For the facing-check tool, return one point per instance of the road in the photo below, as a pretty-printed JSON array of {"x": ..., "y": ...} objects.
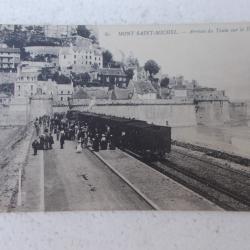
[{"x": 74, "y": 181}]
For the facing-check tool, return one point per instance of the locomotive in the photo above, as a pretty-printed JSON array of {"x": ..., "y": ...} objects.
[{"x": 146, "y": 140}]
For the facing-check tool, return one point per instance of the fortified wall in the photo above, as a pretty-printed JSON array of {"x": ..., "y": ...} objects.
[
  {"x": 212, "y": 113},
  {"x": 240, "y": 113},
  {"x": 23, "y": 110},
  {"x": 159, "y": 112},
  {"x": 177, "y": 114}
]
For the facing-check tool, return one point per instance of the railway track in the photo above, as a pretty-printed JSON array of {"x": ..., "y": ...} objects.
[
  {"x": 218, "y": 165},
  {"x": 225, "y": 188}
]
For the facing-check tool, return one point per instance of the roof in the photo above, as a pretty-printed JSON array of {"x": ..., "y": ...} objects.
[
  {"x": 143, "y": 87},
  {"x": 9, "y": 50},
  {"x": 65, "y": 50},
  {"x": 81, "y": 94},
  {"x": 121, "y": 94},
  {"x": 112, "y": 71}
]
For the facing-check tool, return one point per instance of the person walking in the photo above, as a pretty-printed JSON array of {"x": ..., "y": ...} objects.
[
  {"x": 42, "y": 141},
  {"x": 103, "y": 142},
  {"x": 57, "y": 134},
  {"x": 51, "y": 141},
  {"x": 35, "y": 145},
  {"x": 79, "y": 146},
  {"x": 96, "y": 143},
  {"x": 62, "y": 139}
]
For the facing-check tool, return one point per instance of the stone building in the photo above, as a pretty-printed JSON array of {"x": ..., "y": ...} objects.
[
  {"x": 80, "y": 59},
  {"x": 27, "y": 85},
  {"x": 9, "y": 58},
  {"x": 111, "y": 77}
]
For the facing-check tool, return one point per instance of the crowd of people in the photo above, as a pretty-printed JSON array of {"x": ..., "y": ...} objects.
[{"x": 82, "y": 133}]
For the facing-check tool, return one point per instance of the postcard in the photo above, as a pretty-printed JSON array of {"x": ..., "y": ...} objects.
[{"x": 126, "y": 117}]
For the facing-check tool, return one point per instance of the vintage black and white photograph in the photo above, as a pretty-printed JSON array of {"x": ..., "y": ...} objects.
[{"x": 132, "y": 117}]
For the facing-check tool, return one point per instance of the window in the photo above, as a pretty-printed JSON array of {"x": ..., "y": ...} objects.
[
  {"x": 62, "y": 92},
  {"x": 19, "y": 87},
  {"x": 74, "y": 56},
  {"x": 89, "y": 57},
  {"x": 74, "y": 62},
  {"x": 31, "y": 87},
  {"x": 86, "y": 62},
  {"x": 95, "y": 58},
  {"x": 61, "y": 98},
  {"x": 68, "y": 92},
  {"x": 64, "y": 56}
]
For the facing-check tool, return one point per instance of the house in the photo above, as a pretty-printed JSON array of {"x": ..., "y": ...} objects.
[
  {"x": 59, "y": 31},
  {"x": 9, "y": 58},
  {"x": 63, "y": 92},
  {"x": 139, "y": 74},
  {"x": 179, "y": 92},
  {"x": 112, "y": 77},
  {"x": 80, "y": 59},
  {"x": 205, "y": 93},
  {"x": 42, "y": 50},
  {"x": 27, "y": 85},
  {"x": 142, "y": 90}
]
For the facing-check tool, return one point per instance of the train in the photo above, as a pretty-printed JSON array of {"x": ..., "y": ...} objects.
[{"x": 147, "y": 140}]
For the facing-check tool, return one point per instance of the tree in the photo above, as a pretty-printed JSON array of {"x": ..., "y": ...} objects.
[
  {"x": 107, "y": 58},
  {"x": 24, "y": 55},
  {"x": 94, "y": 39},
  {"x": 132, "y": 61},
  {"x": 17, "y": 28},
  {"x": 152, "y": 67},
  {"x": 29, "y": 28},
  {"x": 85, "y": 77},
  {"x": 39, "y": 58},
  {"x": 61, "y": 79},
  {"x": 39, "y": 30},
  {"x": 129, "y": 73},
  {"x": 83, "y": 31},
  {"x": 95, "y": 66},
  {"x": 16, "y": 39},
  {"x": 45, "y": 74},
  {"x": 164, "y": 82},
  {"x": 80, "y": 79}
]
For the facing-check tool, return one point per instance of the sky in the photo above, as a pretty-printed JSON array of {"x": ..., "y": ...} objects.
[{"x": 216, "y": 55}]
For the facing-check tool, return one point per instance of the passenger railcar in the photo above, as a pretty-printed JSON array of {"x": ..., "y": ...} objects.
[{"x": 148, "y": 140}]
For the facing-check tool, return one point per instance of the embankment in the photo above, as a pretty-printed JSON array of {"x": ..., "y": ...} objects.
[{"x": 12, "y": 158}]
